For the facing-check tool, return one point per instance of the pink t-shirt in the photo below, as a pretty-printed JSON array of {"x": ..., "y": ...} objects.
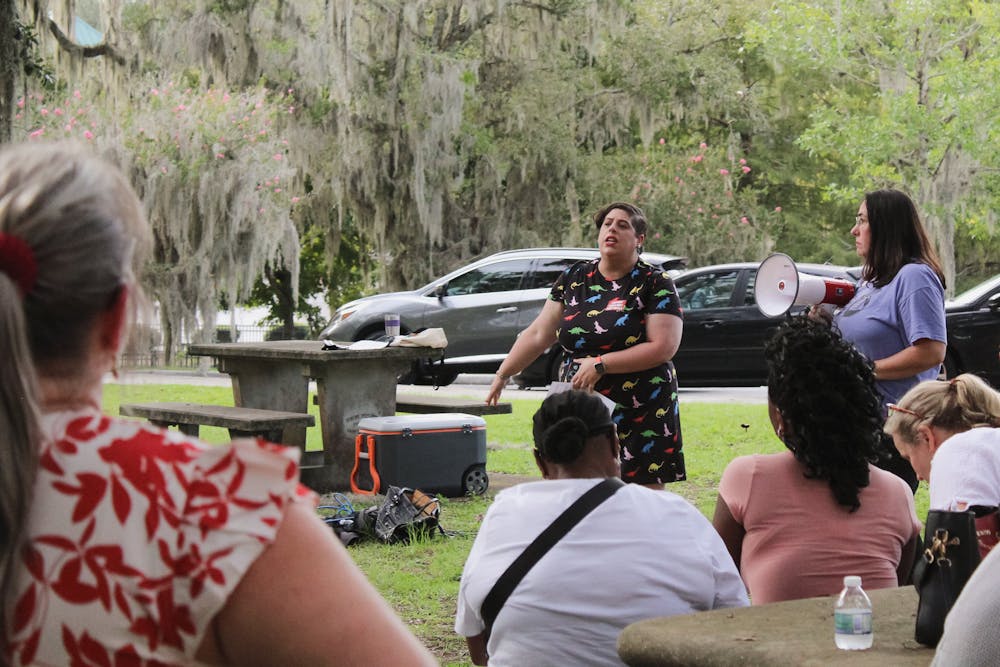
[
  {"x": 136, "y": 538},
  {"x": 800, "y": 543}
]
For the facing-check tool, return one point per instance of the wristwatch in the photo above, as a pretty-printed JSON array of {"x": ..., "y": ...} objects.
[{"x": 599, "y": 367}]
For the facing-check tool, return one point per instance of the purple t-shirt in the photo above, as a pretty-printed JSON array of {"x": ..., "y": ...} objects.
[{"x": 881, "y": 321}]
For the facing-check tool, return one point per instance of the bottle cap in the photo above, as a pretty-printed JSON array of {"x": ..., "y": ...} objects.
[{"x": 852, "y": 581}]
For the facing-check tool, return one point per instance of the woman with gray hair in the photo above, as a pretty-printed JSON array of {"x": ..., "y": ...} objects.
[{"x": 121, "y": 542}]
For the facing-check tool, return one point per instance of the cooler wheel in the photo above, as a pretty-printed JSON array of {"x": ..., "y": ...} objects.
[{"x": 475, "y": 481}]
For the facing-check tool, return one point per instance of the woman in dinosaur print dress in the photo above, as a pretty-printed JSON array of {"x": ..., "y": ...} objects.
[{"x": 620, "y": 320}]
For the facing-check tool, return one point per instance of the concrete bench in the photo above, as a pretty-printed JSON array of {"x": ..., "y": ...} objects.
[
  {"x": 432, "y": 404},
  {"x": 241, "y": 422}
]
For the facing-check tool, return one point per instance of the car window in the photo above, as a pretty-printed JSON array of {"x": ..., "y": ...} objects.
[
  {"x": 546, "y": 271},
  {"x": 707, "y": 290},
  {"x": 748, "y": 297},
  {"x": 499, "y": 277},
  {"x": 970, "y": 296}
]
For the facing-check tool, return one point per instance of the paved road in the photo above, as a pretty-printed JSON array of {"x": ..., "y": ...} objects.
[{"x": 467, "y": 385}]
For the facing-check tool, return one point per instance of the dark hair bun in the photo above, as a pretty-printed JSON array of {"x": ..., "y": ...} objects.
[
  {"x": 564, "y": 441},
  {"x": 564, "y": 422}
]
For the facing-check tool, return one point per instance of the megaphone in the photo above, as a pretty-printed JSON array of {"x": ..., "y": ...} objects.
[{"x": 779, "y": 286}]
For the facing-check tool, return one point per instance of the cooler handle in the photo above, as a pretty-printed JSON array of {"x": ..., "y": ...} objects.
[{"x": 359, "y": 442}]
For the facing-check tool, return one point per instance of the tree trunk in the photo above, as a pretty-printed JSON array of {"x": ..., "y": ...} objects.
[
  {"x": 168, "y": 340},
  {"x": 9, "y": 63},
  {"x": 284, "y": 293}
]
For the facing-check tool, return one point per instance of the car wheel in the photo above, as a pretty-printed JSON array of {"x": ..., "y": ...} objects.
[
  {"x": 475, "y": 481},
  {"x": 542, "y": 372},
  {"x": 436, "y": 376},
  {"x": 372, "y": 334},
  {"x": 556, "y": 363},
  {"x": 426, "y": 372}
]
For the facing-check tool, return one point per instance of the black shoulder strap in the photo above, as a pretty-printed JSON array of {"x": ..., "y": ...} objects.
[{"x": 547, "y": 539}]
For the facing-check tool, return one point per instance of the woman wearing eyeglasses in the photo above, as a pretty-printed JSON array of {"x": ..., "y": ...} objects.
[
  {"x": 896, "y": 317},
  {"x": 950, "y": 432}
]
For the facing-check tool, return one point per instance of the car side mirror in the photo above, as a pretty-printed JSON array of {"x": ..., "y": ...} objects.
[
  {"x": 441, "y": 290},
  {"x": 993, "y": 303}
]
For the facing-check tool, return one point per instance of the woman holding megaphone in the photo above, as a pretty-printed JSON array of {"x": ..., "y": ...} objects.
[{"x": 896, "y": 317}]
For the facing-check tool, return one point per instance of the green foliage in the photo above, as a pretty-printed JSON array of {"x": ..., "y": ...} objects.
[
  {"x": 897, "y": 92},
  {"x": 138, "y": 17},
  {"x": 33, "y": 64},
  {"x": 437, "y": 131},
  {"x": 281, "y": 46},
  {"x": 229, "y": 6},
  {"x": 320, "y": 107},
  {"x": 705, "y": 203},
  {"x": 338, "y": 282}
]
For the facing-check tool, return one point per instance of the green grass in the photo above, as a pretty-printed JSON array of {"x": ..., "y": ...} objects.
[{"x": 420, "y": 580}]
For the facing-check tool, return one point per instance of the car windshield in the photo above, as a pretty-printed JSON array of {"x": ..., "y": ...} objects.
[{"x": 973, "y": 294}]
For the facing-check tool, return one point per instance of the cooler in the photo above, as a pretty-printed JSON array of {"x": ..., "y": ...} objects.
[{"x": 444, "y": 453}]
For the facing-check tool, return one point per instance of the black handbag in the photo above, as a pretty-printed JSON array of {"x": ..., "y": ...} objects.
[{"x": 951, "y": 554}]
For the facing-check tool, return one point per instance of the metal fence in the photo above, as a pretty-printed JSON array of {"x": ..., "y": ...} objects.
[
  {"x": 154, "y": 357},
  {"x": 244, "y": 334}
]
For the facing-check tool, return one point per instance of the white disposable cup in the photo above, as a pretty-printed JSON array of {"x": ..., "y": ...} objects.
[{"x": 392, "y": 324}]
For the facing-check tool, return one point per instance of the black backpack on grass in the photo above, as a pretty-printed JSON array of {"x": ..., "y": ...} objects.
[{"x": 403, "y": 514}]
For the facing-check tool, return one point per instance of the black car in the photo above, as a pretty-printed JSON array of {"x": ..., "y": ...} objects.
[
  {"x": 724, "y": 331},
  {"x": 973, "y": 319}
]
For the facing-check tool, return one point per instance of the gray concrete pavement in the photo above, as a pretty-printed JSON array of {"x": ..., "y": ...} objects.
[{"x": 467, "y": 385}]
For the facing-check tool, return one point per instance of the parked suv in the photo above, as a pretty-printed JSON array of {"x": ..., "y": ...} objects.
[{"x": 481, "y": 307}]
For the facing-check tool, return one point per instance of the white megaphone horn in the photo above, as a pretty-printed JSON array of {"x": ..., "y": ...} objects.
[{"x": 779, "y": 286}]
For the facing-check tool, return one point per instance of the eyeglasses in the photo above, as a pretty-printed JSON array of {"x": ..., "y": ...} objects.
[{"x": 905, "y": 411}]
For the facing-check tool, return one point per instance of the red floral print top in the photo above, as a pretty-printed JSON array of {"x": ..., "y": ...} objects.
[{"x": 137, "y": 537}]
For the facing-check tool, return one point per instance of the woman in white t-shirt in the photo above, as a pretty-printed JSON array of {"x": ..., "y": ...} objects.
[
  {"x": 639, "y": 554},
  {"x": 949, "y": 431}
]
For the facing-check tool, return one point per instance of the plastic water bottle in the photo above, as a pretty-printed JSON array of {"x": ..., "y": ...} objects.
[{"x": 852, "y": 617}]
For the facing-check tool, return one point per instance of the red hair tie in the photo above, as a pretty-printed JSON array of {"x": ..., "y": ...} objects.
[{"x": 18, "y": 262}]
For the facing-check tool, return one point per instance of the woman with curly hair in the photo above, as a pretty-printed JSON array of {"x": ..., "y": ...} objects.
[{"x": 796, "y": 522}]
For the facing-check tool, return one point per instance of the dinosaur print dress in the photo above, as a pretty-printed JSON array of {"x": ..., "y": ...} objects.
[{"x": 602, "y": 316}]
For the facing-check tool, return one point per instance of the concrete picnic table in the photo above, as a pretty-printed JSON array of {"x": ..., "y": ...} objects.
[
  {"x": 350, "y": 385},
  {"x": 796, "y": 632}
]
